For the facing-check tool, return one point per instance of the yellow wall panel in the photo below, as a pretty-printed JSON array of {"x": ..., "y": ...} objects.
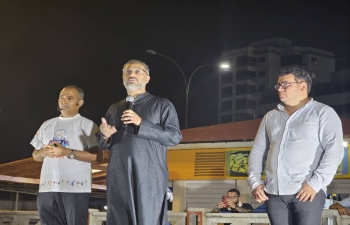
[{"x": 181, "y": 164}]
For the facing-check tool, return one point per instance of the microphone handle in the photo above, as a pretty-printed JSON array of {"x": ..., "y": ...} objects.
[{"x": 129, "y": 105}]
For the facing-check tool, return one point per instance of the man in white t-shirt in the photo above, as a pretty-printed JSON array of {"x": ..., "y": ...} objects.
[{"x": 66, "y": 145}]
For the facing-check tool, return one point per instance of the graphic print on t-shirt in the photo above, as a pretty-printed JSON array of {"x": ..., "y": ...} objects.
[
  {"x": 60, "y": 137},
  {"x": 63, "y": 183}
]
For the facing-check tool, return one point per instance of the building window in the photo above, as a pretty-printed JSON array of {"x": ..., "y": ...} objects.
[
  {"x": 226, "y": 77},
  {"x": 226, "y": 92},
  {"x": 226, "y": 106},
  {"x": 243, "y": 89},
  {"x": 240, "y": 117},
  {"x": 245, "y": 75},
  {"x": 245, "y": 103},
  {"x": 244, "y": 116},
  {"x": 241, "y": 103},
  {"x": 226, "y": 119},
  {"x": 291, "y": 59},
  {"x": 251, "y": 89},
  {"x": 261, "y": 59},
  {"x": 245, "y": 60},
  {"x": 262, "y": 88},
  {"x": 269, "y": 98},
  {"x": 251, "y": 104},
  {"x": 261, "y": 73}
]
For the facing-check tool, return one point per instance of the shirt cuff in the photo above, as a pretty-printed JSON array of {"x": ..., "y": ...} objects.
[
  {"x": 256, "y": 184},
  {"x": 314, "y": 186}
]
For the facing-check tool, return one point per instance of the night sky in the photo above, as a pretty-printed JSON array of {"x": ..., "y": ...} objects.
[{"x": 46, "y": 45}]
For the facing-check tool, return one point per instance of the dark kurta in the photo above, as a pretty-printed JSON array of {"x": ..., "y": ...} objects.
[{"x": 137, "y": 173}]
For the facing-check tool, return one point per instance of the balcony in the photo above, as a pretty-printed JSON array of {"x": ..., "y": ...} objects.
[
  {"x": 245, "y": 61},
  {"x": 291, "y": 59},
  {"x": 245, "y": 75}
]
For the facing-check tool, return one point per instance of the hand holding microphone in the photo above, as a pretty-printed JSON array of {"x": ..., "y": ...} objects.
[
  {"x": 129, "y": 102},
  {"x": 129, "y": 116}
]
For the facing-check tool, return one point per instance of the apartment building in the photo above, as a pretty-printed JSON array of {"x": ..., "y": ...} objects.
[{"x": 247, "y": 90}]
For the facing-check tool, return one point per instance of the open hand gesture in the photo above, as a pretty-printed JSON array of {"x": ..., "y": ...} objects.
[{"x": 106, "y": 129}]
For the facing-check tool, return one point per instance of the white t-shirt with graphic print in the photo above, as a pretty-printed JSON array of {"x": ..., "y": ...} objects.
[{"x": 63, "y": 174}]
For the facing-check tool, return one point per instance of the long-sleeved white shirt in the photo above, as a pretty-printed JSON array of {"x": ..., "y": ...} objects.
[
  {"x": 304, "y": 147},
  {"x": 345, "y": 203}
]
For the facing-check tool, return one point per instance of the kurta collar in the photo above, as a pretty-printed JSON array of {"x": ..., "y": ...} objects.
[{"x": 141, "y": 96}]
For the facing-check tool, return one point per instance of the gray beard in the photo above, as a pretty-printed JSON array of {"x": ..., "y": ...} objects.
[{"x": 133, "y": 86}]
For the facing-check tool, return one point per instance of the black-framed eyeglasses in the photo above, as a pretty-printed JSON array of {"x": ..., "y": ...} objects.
[
  {"x": 233, "y": 197},
  {"x": 284, "y": 85}
]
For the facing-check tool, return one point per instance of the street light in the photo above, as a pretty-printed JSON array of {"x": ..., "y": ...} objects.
[{"x": 187, "y": 83}]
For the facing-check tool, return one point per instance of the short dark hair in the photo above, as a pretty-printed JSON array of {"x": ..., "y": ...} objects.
[
  {"x": 80, "y": 91},
  {"x": 234, "y": 190},
  {"x": 299, "y": 74}
]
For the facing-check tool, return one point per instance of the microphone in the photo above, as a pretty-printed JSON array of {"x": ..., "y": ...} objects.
[{"x": 129, "y": 102}]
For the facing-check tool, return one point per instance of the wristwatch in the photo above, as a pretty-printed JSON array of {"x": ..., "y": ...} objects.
[{"x": 71, "y": 155}]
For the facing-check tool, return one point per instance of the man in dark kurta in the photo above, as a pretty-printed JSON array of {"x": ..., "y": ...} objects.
[{"x": 137, "y": 173}]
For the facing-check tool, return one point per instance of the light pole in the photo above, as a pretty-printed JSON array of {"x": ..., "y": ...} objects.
[{"x": 187, "y": 83}]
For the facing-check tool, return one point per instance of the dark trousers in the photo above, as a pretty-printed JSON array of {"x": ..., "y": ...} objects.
[
  {"x": 59, "y": 208},
  {"x": 288, "y": 210}
]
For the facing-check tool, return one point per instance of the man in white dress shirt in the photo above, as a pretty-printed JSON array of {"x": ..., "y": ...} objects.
[{"x": 300, "y": 143}]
